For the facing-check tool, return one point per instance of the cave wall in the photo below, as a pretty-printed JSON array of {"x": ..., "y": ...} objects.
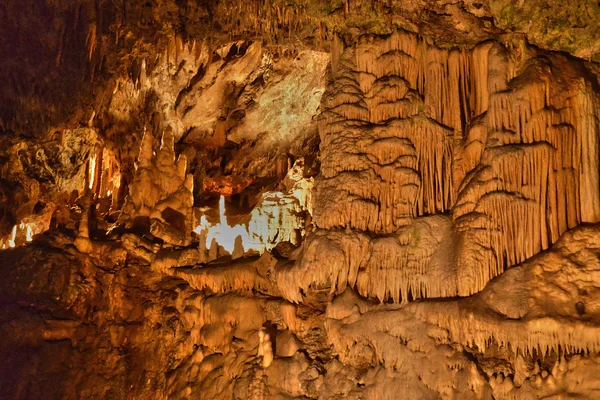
[
  {"x": 448, "y": 249},
  {"x": 500, "y": 144}
]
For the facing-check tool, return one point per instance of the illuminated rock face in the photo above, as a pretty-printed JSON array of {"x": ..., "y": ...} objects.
[
  {"x": 23, "y": 233},
  {"x": 496, "y": 141},
  {"x": 160, "y": 184},
  {"x": 226, "y": 186},
  {"x": 209, "y": 97},
  {"x": 44, "y": 176}
]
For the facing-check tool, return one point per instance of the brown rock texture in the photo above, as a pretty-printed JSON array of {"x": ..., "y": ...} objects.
[
  {"x": 299, "y": 200},
  {"x": 477, "y": 136}
]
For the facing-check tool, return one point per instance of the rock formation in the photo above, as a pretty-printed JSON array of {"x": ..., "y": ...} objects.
[
  {"x": 470, "y": 135},
  {"x": 278, "y": 217},
  {"x": 299, "y": 200},
  {"x": 161, "y": 192}
]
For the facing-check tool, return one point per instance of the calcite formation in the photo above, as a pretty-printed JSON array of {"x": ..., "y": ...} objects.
[
  {"x": 104, "y": 176},
  {"x": 477, "y": 135},
  {"x": 299, "y": 200},
  {"x": 161, "y": 191}
]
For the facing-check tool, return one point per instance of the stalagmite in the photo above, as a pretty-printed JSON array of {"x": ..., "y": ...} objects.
[
  {"x": 161, "y": 189},
  {"x": 13, "y": 234},
  {"x": 23, "y": 233},
  {"x": 277, "y": 217},
  {"x": 28, "y": 234},
  {"x": 82, "y": 241},
  {"x": 265, "y": 349}
]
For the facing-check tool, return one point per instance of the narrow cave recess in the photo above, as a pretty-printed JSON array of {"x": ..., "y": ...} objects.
[{"x": 235, "y": 216}]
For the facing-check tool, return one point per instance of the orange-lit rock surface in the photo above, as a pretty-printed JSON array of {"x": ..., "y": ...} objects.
[
  {"x": 476, "y": 137},
  {"x": 226, "y": 185},
  {"x": 299, "y": 200},
  {"x": 161, "y": 191}
]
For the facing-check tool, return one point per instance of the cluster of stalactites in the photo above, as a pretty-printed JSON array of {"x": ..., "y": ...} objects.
[
  {"x": 401, "y": 267},
  {"x": 393, "y": 114},
  {"x": 543, "y": 336},
  {"x": 537, "y": 178},
  {"x": 410, "y": 130},
  {"x": 103, "y": 177}
]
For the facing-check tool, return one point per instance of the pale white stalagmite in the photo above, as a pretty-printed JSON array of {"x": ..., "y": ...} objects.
[
  {"x": 28, "y": 234},
  {"x": 20, "y": 234},
  {"x": 224, "y": 234},
  {"x": 265, "y": 349},
  {"x": 278, "y": 217},
  {"x": 13, "y": 235}
]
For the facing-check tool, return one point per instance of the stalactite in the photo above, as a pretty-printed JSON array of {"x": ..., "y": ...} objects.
[
  {"x": 397, "y": 88},
  {"x": 405, "y": 266},
  {"x": 587, "y": 128},
  {"x": 540, "y": 335},
  {"x": 330, "y": 259},
  {"x": 241, "y": 277},
  {"x": 503, "y": 144},
  {"x": 526, "y": 188}
]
